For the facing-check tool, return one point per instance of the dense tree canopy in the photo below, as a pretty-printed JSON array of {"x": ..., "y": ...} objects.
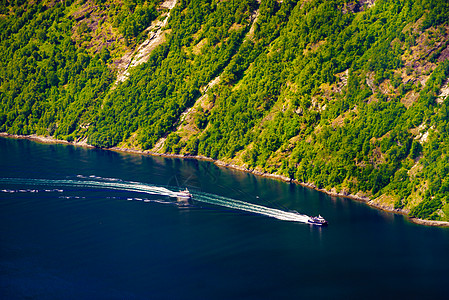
[{"x": 329, "y": 92}]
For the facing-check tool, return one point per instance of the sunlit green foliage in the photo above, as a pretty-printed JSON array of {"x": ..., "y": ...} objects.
[
  {"x": 48, "y": 86},
  {"x": 308, "y": 89}
]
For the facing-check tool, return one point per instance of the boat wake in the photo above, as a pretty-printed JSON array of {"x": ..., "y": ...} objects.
[
  {"x": 117, "y": 184},
  {"x": 252, "y": 208}
]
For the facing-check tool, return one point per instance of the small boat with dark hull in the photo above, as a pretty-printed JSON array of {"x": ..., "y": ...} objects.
[{"x": 319, "y": 221}]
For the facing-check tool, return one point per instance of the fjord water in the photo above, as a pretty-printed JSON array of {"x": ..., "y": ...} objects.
[{"x": 72, "y": 241}]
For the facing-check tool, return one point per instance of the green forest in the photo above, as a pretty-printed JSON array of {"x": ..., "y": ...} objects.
[{"x": 350, "y": 96}]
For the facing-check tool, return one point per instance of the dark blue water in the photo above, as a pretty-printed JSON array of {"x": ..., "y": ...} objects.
[{"x": 72, "y": 241}]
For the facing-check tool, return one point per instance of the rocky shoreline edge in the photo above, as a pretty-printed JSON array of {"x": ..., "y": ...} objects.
[{"x": 358, "y": 196}]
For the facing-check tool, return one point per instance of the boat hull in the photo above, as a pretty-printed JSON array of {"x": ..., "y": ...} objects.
[{"x": 317, "y": 223}]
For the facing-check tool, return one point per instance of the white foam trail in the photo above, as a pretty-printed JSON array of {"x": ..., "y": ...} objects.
[
  {"x": 116, "y": 184},
  {"x": 253, "y": 208}
]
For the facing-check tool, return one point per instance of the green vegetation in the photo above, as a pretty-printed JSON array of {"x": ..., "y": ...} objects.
[
  {"x": 48, "y": 85},
  {"x": 133, "y": 17},
  {"x": 327, "y": 92}
]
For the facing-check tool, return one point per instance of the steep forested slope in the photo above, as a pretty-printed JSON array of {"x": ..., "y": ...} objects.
[{"x": 350, "y": 96}]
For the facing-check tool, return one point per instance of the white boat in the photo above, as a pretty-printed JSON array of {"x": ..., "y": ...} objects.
[
  {"x": 184, "y": 197},
  {"x": 185, "y": 194},
  {"x": 320, "y": 221}
]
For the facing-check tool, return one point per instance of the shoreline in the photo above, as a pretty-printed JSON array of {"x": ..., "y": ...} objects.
[
  {"x": 44, "y": 139},
  {"x": 332, "y": 193}
]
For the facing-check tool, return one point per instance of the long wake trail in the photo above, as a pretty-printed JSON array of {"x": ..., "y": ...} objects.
[
  {"x": 117, "y": 184},
  {"x": 252, "y": 208}
]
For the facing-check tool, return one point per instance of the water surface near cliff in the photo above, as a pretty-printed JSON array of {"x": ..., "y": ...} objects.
[{"x": 76, "y": 242}]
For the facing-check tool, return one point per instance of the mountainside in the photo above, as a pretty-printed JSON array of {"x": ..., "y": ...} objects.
[{"x": 347, "y": 96}]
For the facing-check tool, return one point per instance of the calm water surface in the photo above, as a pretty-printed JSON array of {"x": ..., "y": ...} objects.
[{"x": 67, "y": 241}]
